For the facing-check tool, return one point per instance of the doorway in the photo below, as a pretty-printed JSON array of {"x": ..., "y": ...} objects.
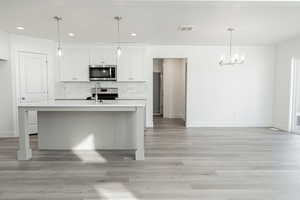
[
  {"x": 169, "y": 90},
  {"x": 33, "y": 84},
  {"x": 295, "y": 97},
  {"x": 157, "y": 87}
]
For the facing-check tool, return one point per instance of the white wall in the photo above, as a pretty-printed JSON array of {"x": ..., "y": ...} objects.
[
  {"x": 216, "y": 96},
  {"x": 222, "y": 96},
  {"x": 285, "y": 52},
  {"x": 298, "y": 87},
  {"x": 4, "y": 45},
  {"x": 174, "y": 88},
  {"x": 6, "y": 98},
  {"x": 6, "y": 114}
]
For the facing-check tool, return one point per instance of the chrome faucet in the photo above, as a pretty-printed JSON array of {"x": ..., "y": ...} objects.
[{"x": 96, "y": 92}]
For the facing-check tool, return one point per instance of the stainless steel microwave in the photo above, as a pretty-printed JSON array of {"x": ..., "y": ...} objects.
[{"x": 103, "y": 72}]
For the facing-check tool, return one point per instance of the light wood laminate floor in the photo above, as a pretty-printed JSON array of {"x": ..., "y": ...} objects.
[{"x": 195, "y": 163}]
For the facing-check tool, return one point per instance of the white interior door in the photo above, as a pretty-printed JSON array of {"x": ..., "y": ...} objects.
[
  {"x": 33, "y": 76},
  {"x": 296, "y": 96}
]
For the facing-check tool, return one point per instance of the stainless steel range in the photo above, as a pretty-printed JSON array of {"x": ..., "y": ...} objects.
[{"x": 104, "y": 94}]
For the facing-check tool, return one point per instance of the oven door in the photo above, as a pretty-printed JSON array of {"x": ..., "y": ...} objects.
[{"x": 100, "y": 74}]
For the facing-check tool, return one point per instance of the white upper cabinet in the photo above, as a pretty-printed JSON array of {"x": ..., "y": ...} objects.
[
  {"x": 131, "y": 64},
  {"x": 74, "y": 64},
  {"x": 103, "y": 55},
  {"x": 4, "y": 45}
]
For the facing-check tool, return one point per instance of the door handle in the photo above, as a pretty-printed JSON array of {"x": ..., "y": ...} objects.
[{"x": 23, "y": 98}]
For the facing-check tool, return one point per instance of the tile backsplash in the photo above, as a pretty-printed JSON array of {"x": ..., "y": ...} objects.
[{"x": 73, "y": 90}]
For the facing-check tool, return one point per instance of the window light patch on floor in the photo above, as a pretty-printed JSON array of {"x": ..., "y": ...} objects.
[
  {"x": 90, "y": 156},
  {"x": 86, "y": 150},
  {"x": 114, "y": 191},
  {"x": 87, "y": 143}
]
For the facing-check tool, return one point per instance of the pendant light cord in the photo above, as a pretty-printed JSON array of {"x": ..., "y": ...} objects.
[
  {"x": 58, "y": 33},
  {"x": 230, "y": 44},
  {"x": 119, "y": 32}
]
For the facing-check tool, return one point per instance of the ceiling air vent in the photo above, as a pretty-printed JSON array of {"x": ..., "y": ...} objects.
[{"x": 186, "y": 28}]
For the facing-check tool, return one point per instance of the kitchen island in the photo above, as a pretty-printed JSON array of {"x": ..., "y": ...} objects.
[{"x": 84, "y": 125}]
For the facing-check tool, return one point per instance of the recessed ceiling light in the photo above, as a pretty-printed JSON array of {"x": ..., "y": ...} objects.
[
  {"x": 20, "y": 28},
  {"x": 71, "y": 34},
  {"x": 133, "y": 34}
]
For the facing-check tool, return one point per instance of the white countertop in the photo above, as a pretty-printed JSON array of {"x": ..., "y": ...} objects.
[
  {"x": 119, "y": 98},
  {"x": 83, "y": 103}
]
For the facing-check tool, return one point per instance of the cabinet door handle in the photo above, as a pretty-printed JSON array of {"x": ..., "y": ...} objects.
[
  {"x": 130, "y": 78},
  {"x": 74, "y": 78}
]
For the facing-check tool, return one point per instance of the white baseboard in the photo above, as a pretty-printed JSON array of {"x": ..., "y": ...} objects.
[
  {"x": 149, "y": 124},
  {"x": 227, "y": 124},
  {"x": 296, "y": 131},
  {"x": 7, "y": 134}
]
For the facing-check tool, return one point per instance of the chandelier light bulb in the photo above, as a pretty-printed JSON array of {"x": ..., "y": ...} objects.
[
  {"x": 222, "y": 58},
  {"x": 232, "y": 60},
  {"x": 242, "y": 58}
]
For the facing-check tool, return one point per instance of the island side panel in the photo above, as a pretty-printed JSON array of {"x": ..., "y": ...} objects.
[
  {"x": 24, "y": 151},
  {"x": 85, "y": 130},
  {"x": 139, "y": 124}
]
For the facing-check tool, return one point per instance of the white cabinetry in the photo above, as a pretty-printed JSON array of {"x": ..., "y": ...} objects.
[
  {"x": 105, "y": 55},
  {"x": 4, "y": 45},
  {"x": 74, "y": 64},
  {"x": 131, "y": 64},
  {"x": 75, "y": 60}
]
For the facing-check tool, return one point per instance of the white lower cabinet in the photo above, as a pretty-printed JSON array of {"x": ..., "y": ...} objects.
[
  {"x": 74, "y": 64},
  {"x": 131, "y": 64}
]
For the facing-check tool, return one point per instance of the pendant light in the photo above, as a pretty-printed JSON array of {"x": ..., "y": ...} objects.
[
  {"x": 119, "y": 50},
  {"x": 231, "y": 60},
  {"x": 59, "y": 49}
]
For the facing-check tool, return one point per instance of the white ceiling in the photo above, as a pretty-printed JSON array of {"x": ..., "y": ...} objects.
[{"x": 154, "y": 21}]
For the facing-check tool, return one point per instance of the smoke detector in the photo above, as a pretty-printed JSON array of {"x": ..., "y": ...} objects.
[{"x": 186, "y": 28}]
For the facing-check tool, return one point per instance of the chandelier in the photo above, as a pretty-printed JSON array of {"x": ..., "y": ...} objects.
[{"x": 232, "y": 59}]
